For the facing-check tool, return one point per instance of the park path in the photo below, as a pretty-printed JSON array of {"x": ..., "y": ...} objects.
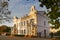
[{"x": 21, "y": 38}]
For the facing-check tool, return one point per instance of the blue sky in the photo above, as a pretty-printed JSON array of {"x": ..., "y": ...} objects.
[{"x": 21, "y": 7}]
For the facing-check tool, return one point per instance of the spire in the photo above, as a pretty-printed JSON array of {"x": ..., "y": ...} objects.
[{"x": 33, "y": 10}]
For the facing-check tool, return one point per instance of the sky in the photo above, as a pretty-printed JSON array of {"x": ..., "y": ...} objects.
[{"x": 21, "y": 7}]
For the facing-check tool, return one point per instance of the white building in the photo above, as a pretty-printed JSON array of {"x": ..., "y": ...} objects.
[{"x": 33, "y": 24}]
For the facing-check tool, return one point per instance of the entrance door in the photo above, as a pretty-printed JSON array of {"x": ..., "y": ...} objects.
[
  {"x": 45, "y": 33},
  {"x": 39, "y": 34}
]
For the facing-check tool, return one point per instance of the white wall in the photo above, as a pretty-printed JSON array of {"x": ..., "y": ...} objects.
[{"x": 40, "y": 23}]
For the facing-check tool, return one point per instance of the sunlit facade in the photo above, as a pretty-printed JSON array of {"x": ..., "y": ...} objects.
[{"x": 33, "y": 24}]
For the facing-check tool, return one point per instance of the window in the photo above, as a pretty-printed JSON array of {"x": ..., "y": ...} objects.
[
  {"x": 44, "y": 22},
  {"x": 33, "y": 28},
  {"x": 14, "y": 25},
  {"x": 21, "y": 23},
  {"x": 27, "y": 22},
  {"x": 44, "y": 33},
  {"x": 24, "y": 22},
  {"x": 24, "y": 31},
  {"x": 21, "y": 31},
  {"x": 32, "y": 21},
  {"x": 0, "y": 9}
]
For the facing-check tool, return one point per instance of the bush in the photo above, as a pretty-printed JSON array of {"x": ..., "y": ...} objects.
[
  {"x": 51, "y": 34},
  {"x": 57, "y": 33},
  {"x": 19, "y": 35},
  {"x": 8, "y": 34}
]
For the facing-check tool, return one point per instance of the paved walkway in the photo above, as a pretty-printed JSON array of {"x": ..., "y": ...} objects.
[{"x": 21, "y": 38}]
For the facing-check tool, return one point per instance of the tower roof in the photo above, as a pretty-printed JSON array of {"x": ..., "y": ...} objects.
[{"x": 33, "y": 10}]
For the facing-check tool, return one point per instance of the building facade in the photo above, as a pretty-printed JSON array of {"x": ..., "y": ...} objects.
[{"x": 33, "y": 24}]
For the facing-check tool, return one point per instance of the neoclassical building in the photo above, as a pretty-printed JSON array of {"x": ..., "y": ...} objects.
[{"x": 33, "y": 24}]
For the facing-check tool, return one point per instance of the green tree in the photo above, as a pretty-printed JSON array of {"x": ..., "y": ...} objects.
[
  {"x": 4, "y": 12},
  {"x": 5, "y": 29},
  {"x": 54, "y": 14}
]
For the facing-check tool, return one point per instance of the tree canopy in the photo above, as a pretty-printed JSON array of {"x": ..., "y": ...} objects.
[
  {"x": 4, "y": 12},
  {"x": 4, "y": 28},
  {"x": 54, "y": 14}
]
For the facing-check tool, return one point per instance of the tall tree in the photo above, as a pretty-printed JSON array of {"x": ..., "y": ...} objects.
[
  {"x": 54, "y": 14},
  {"x": 4, "y": 12},
  {"x": 5, "y": 28}
]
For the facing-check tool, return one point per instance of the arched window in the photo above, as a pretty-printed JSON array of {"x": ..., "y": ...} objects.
[{"x": 32, "y": 21}]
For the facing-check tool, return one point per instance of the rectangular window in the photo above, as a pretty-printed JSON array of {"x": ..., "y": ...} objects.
[
  {"x": 21, "y": 31},
  {"x": 27, "y": 22},
  {"x": 24, "y": 23},
  {"x": 24, "y": 31},
  {"x": 32, "y": 21},
  {"x": 44, "y": 22},
  {"x": 21, "y": 23}
]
